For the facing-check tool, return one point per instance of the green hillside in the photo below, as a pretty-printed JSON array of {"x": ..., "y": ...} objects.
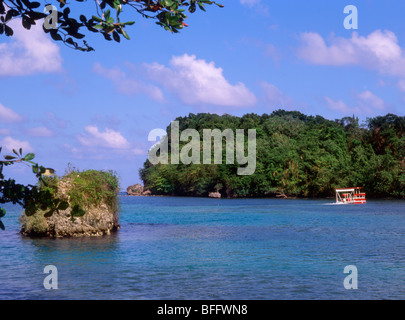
[{"x": 297, "y": 155}]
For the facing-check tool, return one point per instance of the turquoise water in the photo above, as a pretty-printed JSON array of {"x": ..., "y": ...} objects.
[{"x": 192, "y": 248}]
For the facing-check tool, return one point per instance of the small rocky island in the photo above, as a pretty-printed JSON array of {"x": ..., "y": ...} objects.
[
  {"x": 215, "y": 195},
  {"x": 138, "y": 190},
  {"x": 93, "y": 206}
]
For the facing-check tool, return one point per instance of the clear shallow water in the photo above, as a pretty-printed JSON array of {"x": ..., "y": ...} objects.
[{"x": 192, "y": 248}]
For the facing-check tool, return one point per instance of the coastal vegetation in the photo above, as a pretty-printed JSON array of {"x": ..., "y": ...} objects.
[
  {"x": 104, "y": 19},
  {"x": 91, "y": 188},
  {"x": 74, "y": 195},
  {"x": 297, "y": 155},
  {"x": 92, "y": 198},
  {"x": 30, "y": 197}
]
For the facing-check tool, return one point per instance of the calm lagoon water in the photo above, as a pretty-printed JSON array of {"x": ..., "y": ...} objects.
[{"x": 195, "y": 248}]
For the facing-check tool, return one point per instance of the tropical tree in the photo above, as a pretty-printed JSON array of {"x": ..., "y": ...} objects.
[
  {"x": 105, "y": 18},
  {"x": 296, "y": 155},
  {"x": 30, "y": 197}
]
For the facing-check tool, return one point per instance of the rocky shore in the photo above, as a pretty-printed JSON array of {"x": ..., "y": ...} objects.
[
  {"x": 138, "y": 190},
  {"x": 97, "y": 220}
]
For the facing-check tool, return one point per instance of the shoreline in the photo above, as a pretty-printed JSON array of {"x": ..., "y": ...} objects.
[{"x": 277, "y": 198}]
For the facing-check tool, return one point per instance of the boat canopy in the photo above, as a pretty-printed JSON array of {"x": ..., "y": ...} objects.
[{"x": 345, "y": 190}]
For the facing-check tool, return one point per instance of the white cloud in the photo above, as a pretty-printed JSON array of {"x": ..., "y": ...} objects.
[
  {"x": 366, "y": 103},
  {"x": 378, "y": 51},
  {"x": 8, "y": 144},
  {"x": 28, "y": 52},
  {"x": 371, "y": 102},
  {"x": 40, "y": 132},
  {"x": 401, "y": 85},
  {"x": 268, "y": 49},
  {"x": 259, "y": 6},
  {"x": 275, "y": 98},
  {"x": 107, "y": 139},
  {"x": 4, "y": 132},
  {"x": 139, "y": 152},
  {"x": 193, "y": 81},
  {"x": 73, "y": 151},
  {"x": 7, "y": 115},
  {"x": 53, "y": 121},
  {"x": 316, "y": 51},
  {"x": 250, "y": 3},
  {"x": 198, "y": 82},
  {"x": 127, "y": 84},
  {"x": 341, "y": 107}
]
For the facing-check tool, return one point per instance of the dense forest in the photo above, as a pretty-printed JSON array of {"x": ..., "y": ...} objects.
[{"x": 297, "y": 155}]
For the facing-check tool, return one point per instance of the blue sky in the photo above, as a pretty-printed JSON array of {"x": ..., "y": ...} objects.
[{"x": 95, "y": 110}]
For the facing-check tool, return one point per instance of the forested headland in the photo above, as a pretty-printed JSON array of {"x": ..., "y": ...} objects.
[{"x": 297, "y": 155}]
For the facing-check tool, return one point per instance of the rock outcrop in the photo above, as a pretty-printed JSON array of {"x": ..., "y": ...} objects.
[
  {"x": 97, "y": 220},
  {"x": 135, "y": 190},
  {"x": 147, "y": 193},
  {"x": 215, "y": 195},
  {"x": 138, "y": 190},
  {"x": 281, "y": 195}
]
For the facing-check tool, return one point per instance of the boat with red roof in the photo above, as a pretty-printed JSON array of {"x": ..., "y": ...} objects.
[{"x": 350, "y": 196}]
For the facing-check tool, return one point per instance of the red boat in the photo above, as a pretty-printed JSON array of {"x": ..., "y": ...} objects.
[{"x": 350, "y": 196}]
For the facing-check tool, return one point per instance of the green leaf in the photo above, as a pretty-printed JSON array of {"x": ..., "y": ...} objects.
[
  {"x": 29, "y": 157},
  {"x": 35, "y": 168},
  {"x": 30, "y": 209},
  {"x": 77, "y": 211},
  {"x": 2, "y": 212},
  {"x": 168, "y": 3},
  {"x": 97, "y": 18},
  {"x": 116, "y": 36},
  {"x": 125, "y": 34},
  {"x": 43, "y": 206},
  {"x": 70, "y": 41},
  {"x": 63, "y": 205},
  {"x": 66, "y": 11},
  {"x": 31, "y": 5},
  {"x": 49, "y": 213},
  {"x": 107, "y": 14},
  {"x": 55, "y": 35},
  {"x": 78, "y": 35}
]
